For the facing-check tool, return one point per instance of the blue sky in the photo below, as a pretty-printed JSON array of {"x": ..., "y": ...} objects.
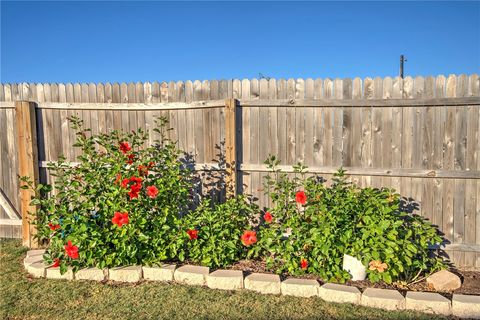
[{"x": 163, "y": 41}]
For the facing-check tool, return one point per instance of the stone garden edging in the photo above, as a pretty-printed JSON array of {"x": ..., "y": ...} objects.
[{"x": 463, "y": 306}]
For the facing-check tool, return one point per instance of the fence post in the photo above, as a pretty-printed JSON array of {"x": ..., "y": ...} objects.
[
  {"x": 26, "y": 120},
  {"x": 230, "y": 146}
]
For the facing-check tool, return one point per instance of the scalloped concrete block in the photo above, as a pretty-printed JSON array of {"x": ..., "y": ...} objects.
[
  {"x": 300, "y": 287},
  {"x": 428, "y": 302},
  {"x": 32, "y": 259},
  {"x": 163, "y": 273},
  {"x": 339, "y": 293},
  {"x": 126, "y": 274},
  {"x": 54, "y": 273},
  {"x": 38, "y": 252},
  {"x": 94, "y": 274},
  {"x": 36, "y": 269},
  {"x": 194, "y": 275},
  {"x": 383, "y": 299},
  {"x": 263, "y": 283},
  {"x": 464, "y": 306},
  {"x": 225, "y": 280}
]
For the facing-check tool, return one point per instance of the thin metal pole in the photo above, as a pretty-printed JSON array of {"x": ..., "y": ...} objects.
[{"x": 402, "y": 60}]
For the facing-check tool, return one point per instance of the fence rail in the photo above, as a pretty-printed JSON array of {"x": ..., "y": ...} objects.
[{"x": 417, "y": 135}]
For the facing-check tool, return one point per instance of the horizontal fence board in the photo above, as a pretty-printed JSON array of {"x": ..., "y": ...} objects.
[
  {"x": 414, "y": 173},
  {"x": 441, "y": 102}
]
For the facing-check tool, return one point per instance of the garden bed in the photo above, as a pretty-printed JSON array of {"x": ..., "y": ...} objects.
[{"x": 464, "y": 306}]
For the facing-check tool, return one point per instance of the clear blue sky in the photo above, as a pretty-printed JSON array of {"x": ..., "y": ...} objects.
[{"x": 163, "y": 41}]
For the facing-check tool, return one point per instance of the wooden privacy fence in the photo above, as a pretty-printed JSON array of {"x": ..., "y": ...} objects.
[{"x": 417, "y": 135}]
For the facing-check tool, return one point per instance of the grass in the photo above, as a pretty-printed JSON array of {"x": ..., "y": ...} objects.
[{"x": 22, "y": 297}]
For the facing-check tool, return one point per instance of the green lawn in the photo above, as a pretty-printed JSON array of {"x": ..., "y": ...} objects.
[{"x": 24, "y": 298}]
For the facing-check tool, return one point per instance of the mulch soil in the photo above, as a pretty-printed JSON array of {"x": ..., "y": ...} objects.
[{"x": 470, "y": 280}]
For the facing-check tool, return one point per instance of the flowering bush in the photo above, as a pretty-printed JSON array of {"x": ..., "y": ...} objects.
[
  {"x": 311, "y": 226},
  {"x": 215, "y": 232},
  {"x": 126, "y": 203},
  {"x": 121, "y": 204}
]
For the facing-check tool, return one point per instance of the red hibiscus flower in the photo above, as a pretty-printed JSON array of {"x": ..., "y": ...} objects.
[
  {"x": 125, "y": 182},
  {"x": 249, "y": 238},
  {"x": 134, "y": 188},
  {"x": 267, "y": 217},
  {"x": 303, "y": 264},
  {"x": 150, "y": 165},
  {"x": 192, "y": 233},
  {"x": 53, "y": 227},
  {"x": 152, "y": 191},
  {"x": 130, "y": 157},
  {"x": 137, "y": 180},
  {"x": 125, "y": 147},
  {"x": 56, "y": 263},
  {"x": 72, "y": 251},
  {"x": 300, "y": 197},
  {"x": 120, "y": 218}
]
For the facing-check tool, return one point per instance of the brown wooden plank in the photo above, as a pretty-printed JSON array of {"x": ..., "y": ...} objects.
[
  {"x": 347, "y": 124},
  {"x": 28, "y": 165},
  {"x": 319, "y": 128},
  {"x": 448, "y": 162},
  {"x": 209, "y": 151},
  {"x": 199, "y": 125},
  {"x": 472, "y": 202},
  {"x": 132, "y": 115},
  {"x": 328, "y": 123},
  {"x": 254, "y": 137},
  {"x": 181, "y": 117},
  {"x": 290, "y": 127},
  {"x": 439, "y": 132},
  {"x": 108, "y": 98},
  {"x": 230, "y": 146},
  {"x": 282, "y": 122},
  {"x": 300, "y": 123},
  {"x": 459, "y": 164},
  {"x": 377, "y": 131},
  {"x": 190, "y": 120},
  {"x": 272, "y": 141},
  {"x": 246, "y": 178},
  {"x": 337, "y": 125}
]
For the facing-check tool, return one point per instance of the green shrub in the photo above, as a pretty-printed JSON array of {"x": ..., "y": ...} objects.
[
  {"x": 216, "y": 231},
  {"x": 312, "y": 226},
  {"x": 120, "y": 205}
]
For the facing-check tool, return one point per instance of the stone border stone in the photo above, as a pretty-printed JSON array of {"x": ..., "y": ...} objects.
[
  {"x": 463, "y": 306},
  {"x": 126, "y": 274},
  {"x": 36, "y": 269},
  {"x": 340, "y": 293},
  {"x": 300, "y": 287},
  {"x": 93, "y": 274},
  {"x": 162, "y": 273},
  {"x": 225, "y": 280},
  {"x": 383, "y": 298},
  {"x": 193, "y": 275},
  {"x": 54, "y": 273},
  {"x": 263, "y": 283},
  {"x": 428, "y": 302}
]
